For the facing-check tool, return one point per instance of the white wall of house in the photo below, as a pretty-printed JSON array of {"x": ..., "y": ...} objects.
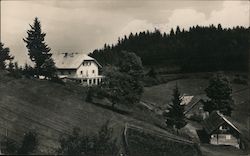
[
  {"x": 224, "y": 139},
  {"x": 87, "y": 69}
]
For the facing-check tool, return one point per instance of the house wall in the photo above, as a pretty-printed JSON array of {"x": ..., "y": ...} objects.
[
  {"x": 87, "y": 69},
  {"x": 225, "y": 135},
  {"x": 224, "y": 139}
]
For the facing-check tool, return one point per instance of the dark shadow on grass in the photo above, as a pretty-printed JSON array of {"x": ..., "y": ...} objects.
[{"x": 123, "y": 112}]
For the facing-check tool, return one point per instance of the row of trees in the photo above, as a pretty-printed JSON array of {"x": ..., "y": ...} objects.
[
  {"x": 200, "y": 48},
  {"x": 38, "y": 51}
]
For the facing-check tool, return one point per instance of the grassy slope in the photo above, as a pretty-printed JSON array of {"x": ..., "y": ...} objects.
[{"x": 53, "y": 109}]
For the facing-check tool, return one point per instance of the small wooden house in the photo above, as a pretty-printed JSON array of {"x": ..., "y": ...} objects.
[
  {"x": 194, "y": 107},
  {"x": 221, "y": 130}
]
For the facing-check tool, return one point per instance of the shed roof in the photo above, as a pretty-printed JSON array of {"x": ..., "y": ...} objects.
[
  {"x": 72, "y": 60},
  {"x": 215, "y": 120}
]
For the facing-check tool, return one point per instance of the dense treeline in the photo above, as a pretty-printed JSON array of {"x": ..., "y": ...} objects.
[{"x": 209, "y": 48}]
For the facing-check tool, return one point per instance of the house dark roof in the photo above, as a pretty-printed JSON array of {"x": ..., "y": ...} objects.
[{"x": 215, "y": 120}]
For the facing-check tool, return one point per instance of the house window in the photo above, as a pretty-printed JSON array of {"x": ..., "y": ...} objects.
[
  {"x": 90, "y": 81},
  {"x": 228, "y": 137},
  {"x": 89, "y": 63},
  {"x": 93, "y": 71},
  {"x": 81, "y": 72},
  {"x": 93, "y": 81}
]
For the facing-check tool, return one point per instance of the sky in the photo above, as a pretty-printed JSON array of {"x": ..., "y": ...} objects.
[{"x": 83, "y": 25}]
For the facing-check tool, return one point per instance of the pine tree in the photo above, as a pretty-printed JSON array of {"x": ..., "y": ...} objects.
[
  {"x": 38, "y": 50},
  {"x": 4, "y": 56},
  {"x": 220, "y": 93},
  {"x": 175, "y": 116}
]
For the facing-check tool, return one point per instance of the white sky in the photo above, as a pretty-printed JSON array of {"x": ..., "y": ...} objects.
[{"x": 82, "y": 26}]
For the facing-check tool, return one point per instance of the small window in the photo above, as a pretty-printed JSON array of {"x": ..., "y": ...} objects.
[
  {"x": 93, "y": 81},
  {"x": 81, "y": 72},
  {"x": 228, "y": 137},
  {"x": 89, "y": 63},
  {"x": 90, "y": 81},
  {"x": 93, "y": 71}
]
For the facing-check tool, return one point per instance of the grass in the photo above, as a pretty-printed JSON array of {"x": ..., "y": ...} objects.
[{"x": 54, "y": 109}]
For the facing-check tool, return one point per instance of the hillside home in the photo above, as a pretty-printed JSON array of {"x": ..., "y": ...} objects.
[
  {"x": 193, "y": 106},
  {"x": 78, "y": 67},
  {"x": 221, "y": 130}
]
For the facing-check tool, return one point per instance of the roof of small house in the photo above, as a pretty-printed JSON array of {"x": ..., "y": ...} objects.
[
  {"x": 72, "y": 60},
  {"x": 215, "y": 120},
  {"x": 193, "y": 102}
]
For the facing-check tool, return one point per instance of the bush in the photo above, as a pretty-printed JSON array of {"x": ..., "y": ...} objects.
[
  {"x": 9, "y": 146},
  {"x": 29, "y": 143},
  {"x": 79, "y": 144}
]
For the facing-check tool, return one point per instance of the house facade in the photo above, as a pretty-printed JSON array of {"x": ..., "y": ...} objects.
[
  {"x": 221, "y": 130},
  {"x": 78, "y": 67}
]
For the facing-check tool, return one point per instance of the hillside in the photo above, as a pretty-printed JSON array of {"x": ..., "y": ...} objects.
[{"x": 53, "y": 109}]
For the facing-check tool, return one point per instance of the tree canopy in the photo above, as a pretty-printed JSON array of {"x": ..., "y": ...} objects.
[
  {"x": 122, "y": 83},
  {"x": 220, "y": 93},
  {"x": 4, "y": 56},
  {"x": 175, "y": 116},
  {"x": 207, "y": 48},
  {"x": 38, "y": 50}
]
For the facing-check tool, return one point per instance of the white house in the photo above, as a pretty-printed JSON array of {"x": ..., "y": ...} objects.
[{"x": 78, "y": 67}]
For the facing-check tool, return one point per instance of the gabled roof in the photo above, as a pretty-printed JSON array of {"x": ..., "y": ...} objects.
[
  {"x": 215, "y": 120},
  {"x": 71, "y": 60},
  {"x": 193, "y": 102}
]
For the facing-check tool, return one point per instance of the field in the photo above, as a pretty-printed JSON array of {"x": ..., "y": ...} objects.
[{"x": 52, "y": 110}]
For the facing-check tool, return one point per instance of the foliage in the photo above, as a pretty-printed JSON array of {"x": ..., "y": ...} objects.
[
  {"x": 207, "y": 48},
  {"x": 175, "y": 116},
  {"x": 29, "y": 143},
  {"x": 79, "y": 144},
  {"x": 152, "y": 73},
  {"x": 28, "y": 71},
  {"x": 38, "y": 51},
  {"x": 122, "y": 84},
  {"x": 4, "y": 56},
  {"x": 10, "y": 146},
  {"x": 15, "y": 70},
  {"x": 220, "y": 93}
]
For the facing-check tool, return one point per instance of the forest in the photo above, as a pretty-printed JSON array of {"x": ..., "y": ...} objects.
[{"x": 201, "y": 48}]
